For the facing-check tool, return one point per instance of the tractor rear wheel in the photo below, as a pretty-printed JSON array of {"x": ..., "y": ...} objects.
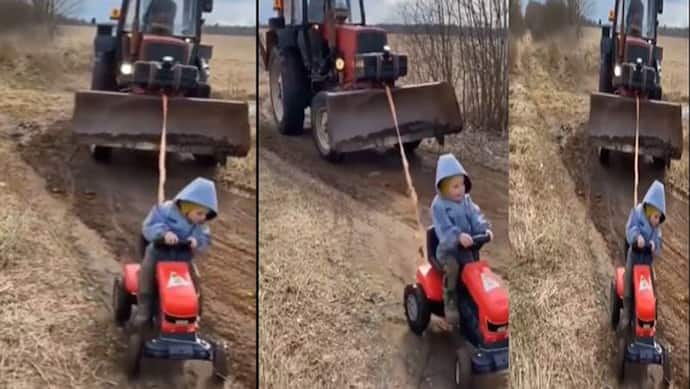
[
  {"x": 614, "y": 306},
  {"x": 122, "y": 309},
  {"x": 417, "y": 309},
  {"x": 463, "y": 367},
  {"x": 289, "y": 91}
]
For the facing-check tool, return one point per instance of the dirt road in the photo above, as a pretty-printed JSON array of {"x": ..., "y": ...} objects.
[{"x": 337, "y": 243}]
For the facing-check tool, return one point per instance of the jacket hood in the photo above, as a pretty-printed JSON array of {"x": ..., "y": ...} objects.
[
  {"x": 448, "y": 166},
  {"x": 655, "y": 196},
  {"x": 201, "y": 191}
]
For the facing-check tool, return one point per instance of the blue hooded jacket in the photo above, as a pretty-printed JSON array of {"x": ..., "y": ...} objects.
[
  {"x": 168, "y": 217},
  {"x": 638, "y": 224},
  {"x": 451, "y": 218}
]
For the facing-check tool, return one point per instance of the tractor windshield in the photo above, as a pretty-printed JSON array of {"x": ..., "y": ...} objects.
[
  {"x": 640, "y": 18},
  {"x": 165, "y": 17},
  {"x": 347, "y": 11}
]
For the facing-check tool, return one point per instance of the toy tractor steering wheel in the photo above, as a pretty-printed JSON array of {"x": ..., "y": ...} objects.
[
  {"x": 180, "y": 245},
  {"x": 645, "y": 254},
  {"x": 478, "y": 241}
]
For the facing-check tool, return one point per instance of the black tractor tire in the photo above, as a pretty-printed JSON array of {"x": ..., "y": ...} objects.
[
  {"x": 604, "y": 156},
  {"x": 102, "y": 154},
  {"x": 319, "y": 132},
  {"x": 135, "y": 349},
  {"x": 615, "y": 305},
  {"x": 620, "y": 357},
  {"x": 667, "y": 367},
  {"x": 220, "y": 362},
  {"x": 104, "y": 73},
  {"x": 463, "y": 368},
  {"x": 207, "y": 160},
  {"x": 289, "y": 90},
  {"x": 122, "y": 308},
  {"x": 417, "y": 309},
  {"x": 661, "y": 163},
  {"x": 605, "y": 68}
]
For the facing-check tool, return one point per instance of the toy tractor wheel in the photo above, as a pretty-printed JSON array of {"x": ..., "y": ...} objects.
[
  {"x": 135, "y": 349},
  {"x": 666, "y": 364},
  {"x": 620, "y": 358},
  {"x": 614, "y": 306},
  {"x": 463, "y": 368},
  {"x": 220, "y": 361},
  {"x": 417, "y": 310},
  {"x": 122, "y": 309}
]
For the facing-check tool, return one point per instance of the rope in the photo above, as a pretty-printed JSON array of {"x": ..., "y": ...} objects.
[
  {"x": 161, "y": 153},
  {"x": 408, "y": 178},
  {"x": 637, "y": 147}
]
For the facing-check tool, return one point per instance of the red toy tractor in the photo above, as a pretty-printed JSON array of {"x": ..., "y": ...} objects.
[
  {"x": 637, "y": 343},
  {"x": 173, "y": 334},
  {"x": 482, "y": 304}
]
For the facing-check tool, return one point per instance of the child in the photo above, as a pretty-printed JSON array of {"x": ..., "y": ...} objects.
[
  {"x": 455, "y": 218},
  {"x": 642, "y": 227},
  {"x": 181, "y": 219}
]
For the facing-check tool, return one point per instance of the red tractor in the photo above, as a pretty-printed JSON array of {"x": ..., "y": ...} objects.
[
  {"x": 320, "y": 54},
  {"x": 630, "y": 67},
  {"x": 636, "y": 341},
  {"x": 173, "y": 333},
  {"x": 483, "y": 307}
]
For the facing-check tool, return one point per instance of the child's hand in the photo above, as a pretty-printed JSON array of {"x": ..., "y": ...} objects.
[
  {"x": 491, "y": 234},
  {"x": 193, "y": 242},
  {"x": 170, "y": 238},
  {"x": 465, "y": 240},
  {"x": 651, "y": 243},
  {"x": 640, "y": 241}
]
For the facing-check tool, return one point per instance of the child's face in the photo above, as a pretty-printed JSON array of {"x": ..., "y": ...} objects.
[
  {"x": 456, "y": 188},
  {"x": 654, "y": 219},
  {"x": 197, "y": 216}
]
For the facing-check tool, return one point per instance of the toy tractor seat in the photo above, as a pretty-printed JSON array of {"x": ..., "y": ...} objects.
[{"x": 431, "y": 244}]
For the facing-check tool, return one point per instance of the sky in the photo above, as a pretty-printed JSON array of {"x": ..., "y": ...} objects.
[
  {"x": 228, "y": 12},
  {"x": 675, "y": 11}
]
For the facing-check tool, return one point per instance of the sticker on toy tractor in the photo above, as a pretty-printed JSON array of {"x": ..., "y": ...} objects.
[
  {"x": 644, "y": 284},
  {"x": 489, "y": 282},
  {"x": 176, "y": 280}
]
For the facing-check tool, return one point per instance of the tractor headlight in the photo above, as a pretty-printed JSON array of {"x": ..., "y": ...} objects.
[
  {"x": 126, "y": 69},
  {"x": 339, "y": 64},
  {"x": 617, "y": 70}
]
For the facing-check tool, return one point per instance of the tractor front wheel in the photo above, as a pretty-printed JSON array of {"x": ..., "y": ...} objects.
[
  {"x": 319, "y": 130},
  {"x": 220, "y": 361},
  {"x": 417, "y": 310},
  {"x": 463, "y": 368},
  {"x": 135, "y": 349}
]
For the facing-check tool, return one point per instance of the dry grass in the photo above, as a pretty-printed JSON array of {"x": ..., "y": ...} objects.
[{"x": 50, "y": 337}]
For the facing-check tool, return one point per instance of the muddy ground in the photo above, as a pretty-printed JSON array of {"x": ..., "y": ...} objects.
[
  {"x": 338, "y": 245},
  {"x": 553, "y": 111},
  {"x": 112, "y": 201}
]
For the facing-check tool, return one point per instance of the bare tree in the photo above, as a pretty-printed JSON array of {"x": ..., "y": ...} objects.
[
  {"x": 466, "y": 43},
  {"x": 49, "y": 11}
]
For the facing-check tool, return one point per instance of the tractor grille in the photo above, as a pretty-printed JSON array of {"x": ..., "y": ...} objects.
[
  {"x": 497, "y": 327},
  {"x": 156, "y": 52},
  {"x": 179, "y": 320},
  {"x": 370, "y": 42},
  {"x": 635, "y": 52},
  {"x": 646, "y": 324}
]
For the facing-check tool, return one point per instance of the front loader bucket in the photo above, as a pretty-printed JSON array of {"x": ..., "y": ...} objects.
[
  {"x": 204, "y": 126},
  {"x": 612, "y": 125},
  {"x": 362, "y": 119}
]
